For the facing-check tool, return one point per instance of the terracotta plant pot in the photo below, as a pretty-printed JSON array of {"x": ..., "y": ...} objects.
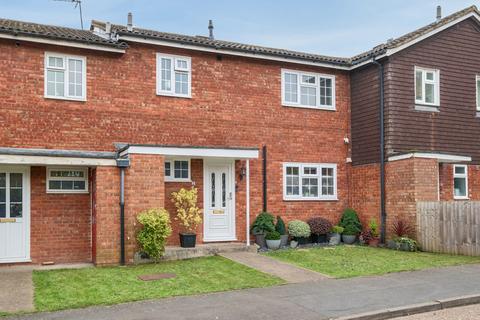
[
  {"x": 374, "y": 242},
  {"x": 188, "y": 240}
]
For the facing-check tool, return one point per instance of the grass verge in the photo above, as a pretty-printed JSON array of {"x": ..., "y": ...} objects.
[
  {"x": 66, "y": 289},
  {"x": 353, "y": 261}
]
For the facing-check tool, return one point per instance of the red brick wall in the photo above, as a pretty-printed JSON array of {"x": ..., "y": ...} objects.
[
  {"x": 365, "y": 191},
  {"x": 235, "y": 102},
  {"x": 60, "y": 223}
]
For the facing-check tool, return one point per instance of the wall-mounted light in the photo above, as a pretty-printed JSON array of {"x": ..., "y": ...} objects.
[{"x": 243, "y": 172}]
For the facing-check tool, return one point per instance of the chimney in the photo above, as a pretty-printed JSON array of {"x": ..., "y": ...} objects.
[
  {"x": 130, "y": 22},
  {"x": 439, "y": 13},
  {"x": 210, "y": 30},
  {"x": 108, "y": 28}
]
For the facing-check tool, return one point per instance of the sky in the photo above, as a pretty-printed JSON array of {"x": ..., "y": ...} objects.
[{"x": 330, "y": 27}]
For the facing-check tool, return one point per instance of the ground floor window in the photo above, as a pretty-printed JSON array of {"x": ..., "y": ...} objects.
[
  {"x": 309, "y": 181},
  {"x": 67, "y": 180},
  {"x": 460, "y": 181},
  {"x": 177, "y": 170}
]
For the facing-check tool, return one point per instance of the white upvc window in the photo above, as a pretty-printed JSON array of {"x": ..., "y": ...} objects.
[
  {"x": 67, "y": 180},
  {"x": 427, "y": 86},
  {"x": 174, "y": 75},
  {"x": 65, "y": 77},
  {"x": 309, "y": 181},
  {"x": 177, "y": 170},
  {"x": 308, "y": 90},
  {"x": 460, "y": 181},
  {"x": 477, "y": 84}
]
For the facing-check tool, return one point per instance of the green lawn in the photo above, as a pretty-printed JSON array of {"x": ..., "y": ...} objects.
[
  {"x": 65, "y": 289},
  {"x": 352, "y": 261}
]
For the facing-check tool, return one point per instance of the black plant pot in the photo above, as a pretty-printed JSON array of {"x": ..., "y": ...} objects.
[
  {"x": 302, "y": 240},
  {"x": 322, "y": 238},
  {"x": 188, "y": 240},
  {"x": 314, "y": 238}
]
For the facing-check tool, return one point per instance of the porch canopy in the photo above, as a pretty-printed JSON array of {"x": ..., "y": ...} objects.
[{"x": 206, "y": 153}]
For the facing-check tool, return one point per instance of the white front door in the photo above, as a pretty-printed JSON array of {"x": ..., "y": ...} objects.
[
  {"x": 219, "y": 201},
  {"x": 14, "y": 214}
]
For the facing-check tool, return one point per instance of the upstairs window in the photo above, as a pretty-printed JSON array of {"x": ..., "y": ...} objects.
[
  {"x": 308, "y": 90},
  {"x": 460, "y": 182},
  {"x": 65, "y": 77},
  {"x": 177, "y": 170},
  {"x": 67, "y": 180},
  {"x": 173, "y": 75},
  {"x": 427, "y": 86},
  {"x": 309, "y": 181}
]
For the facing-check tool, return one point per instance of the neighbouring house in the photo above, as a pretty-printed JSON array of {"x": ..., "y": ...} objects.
[{"x": 119, "y": 114}]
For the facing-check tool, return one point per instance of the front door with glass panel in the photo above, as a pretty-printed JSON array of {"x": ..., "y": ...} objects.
[
  {"x": 14, "y": 214},
  {"x": 219, "y": 200}
]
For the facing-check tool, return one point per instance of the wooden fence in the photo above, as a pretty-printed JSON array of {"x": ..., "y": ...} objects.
[{"x": 449, "y": 227}]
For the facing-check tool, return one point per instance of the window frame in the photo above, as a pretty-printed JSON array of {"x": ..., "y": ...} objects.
[
  {"x": 436, "y": 86},
  {"x": 300, "y": 83},
  {"x": 173, "y": 66},
  {"x": 319, "y": 167},
  {"x": 477, "y": 81},
  {"x": 171, "y": 177},
  {"x": 85, "y": 178},
  {"x": 460, "y": 176},
  {"x": 65, "y": 69}
]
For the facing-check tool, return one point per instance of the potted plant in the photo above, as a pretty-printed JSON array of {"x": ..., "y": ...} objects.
[
  {"x": 188, "y": 214},
  {"x": 273, "y": 240},
  {"x": 373, "y": 226},
  {"x": 336, "y": 235},
  {"x": 351, "y": 225},
  {"x": 400, "y": 229},
  {"x": 280, "y": 228},
  {"x": 263, "y": 224},
  {"x": 319, "y": 228},
  {"x": 299, "y": 230}
]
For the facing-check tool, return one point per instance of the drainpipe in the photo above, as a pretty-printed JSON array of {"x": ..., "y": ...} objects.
[
  {"x": 382, "y": 152},
  {"x": 264, "y": 173},
  {"x": 122, "y": 164}
]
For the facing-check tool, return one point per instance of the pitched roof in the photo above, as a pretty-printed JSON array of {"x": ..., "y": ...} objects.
[
  {"x": 411, "y": 36},
  {"x": 221, "y": 44},
  {"x": 30, "y": 29}
]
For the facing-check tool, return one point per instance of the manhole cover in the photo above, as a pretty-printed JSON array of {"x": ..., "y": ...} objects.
[{"x": 156, "y": 276}]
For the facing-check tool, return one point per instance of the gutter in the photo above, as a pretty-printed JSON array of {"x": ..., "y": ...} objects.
[{"x": 383, "y": 213}]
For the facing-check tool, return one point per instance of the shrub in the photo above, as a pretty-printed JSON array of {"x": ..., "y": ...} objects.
[
  {"x": 337, "y": 229},
  {"x": 350, "y": 222},
  {"x": 280, "y": 226},
  {"x": 274, "y": 235},
  {"x": 155, "y": 231},
  {"x": 188, "y": 213},
  {"x": 366, "y": 236},
  {"x": 406, "y": 241},
  {"x": 263, "y": 223},
  {"x": 401, "y": 228},
  {"x": 373, "y": 226},
  {"x": 319, "y": 225},
  {"x": 298, "y": 229}
]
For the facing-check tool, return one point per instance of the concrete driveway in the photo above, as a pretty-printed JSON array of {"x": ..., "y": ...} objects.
[
  {"x": 325, "y": 299},
  {"x": 16, "y": 290}
]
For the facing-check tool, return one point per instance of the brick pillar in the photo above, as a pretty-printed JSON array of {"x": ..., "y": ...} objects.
[
  {"x": 407, "y": 182},
  {"x": 144, "y": 189},
  {"x": 107, "y": 216}
]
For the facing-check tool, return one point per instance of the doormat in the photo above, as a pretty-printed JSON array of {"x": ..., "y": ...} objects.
[{"x": 156, "y": 276}]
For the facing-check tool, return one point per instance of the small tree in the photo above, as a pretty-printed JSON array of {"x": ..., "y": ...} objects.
[
  {"x": 155, "y": 231},
  {"x": 188, "y": 214},
  {"x": 280, "y": 226},
  {"x": 350, "y": 222}
]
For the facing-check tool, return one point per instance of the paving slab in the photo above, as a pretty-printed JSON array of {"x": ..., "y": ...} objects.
[
  {"x": 16, "y": 290},
  {"x": 283, "y": 270}
]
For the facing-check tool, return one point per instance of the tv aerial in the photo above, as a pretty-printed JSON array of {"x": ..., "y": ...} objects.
[{"x": 78, "y": 4}]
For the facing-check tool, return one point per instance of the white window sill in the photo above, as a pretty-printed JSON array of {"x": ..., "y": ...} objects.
[
  {"x": 173, "y": 95},
  {"x": 477, "y": 114},
  {"x": 427, "y": 108},
  {"x": 68, "y": 191},
  {"x": 310, "y": 199},
  {"x": 178, "y": 180},
  {"x": 286, "y": 104},
  {"x": 66, "y": 98},
  {"x": 460, "y": 198}
]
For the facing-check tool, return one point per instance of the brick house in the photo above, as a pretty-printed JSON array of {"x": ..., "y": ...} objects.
[{"x": 120, "y": 114}]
